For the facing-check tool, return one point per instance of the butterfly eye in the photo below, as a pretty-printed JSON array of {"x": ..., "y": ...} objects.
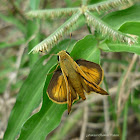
[
  {"x": 67, "y": 53},
  {"x": 58, "y": 57}
]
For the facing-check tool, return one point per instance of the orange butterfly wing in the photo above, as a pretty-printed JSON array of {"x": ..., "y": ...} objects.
[
  {"x": 95, "y": 73},
  {"x": 57, "y": 90},
  {"x": 92, "y": 70}
]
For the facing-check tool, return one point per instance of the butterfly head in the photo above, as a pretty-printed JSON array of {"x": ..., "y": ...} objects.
[{"x": 62, "y": 55}]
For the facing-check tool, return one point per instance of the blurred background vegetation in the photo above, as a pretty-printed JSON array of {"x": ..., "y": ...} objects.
[{"x": 18, "y": 35}]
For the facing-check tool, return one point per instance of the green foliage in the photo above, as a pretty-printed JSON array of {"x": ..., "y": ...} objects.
[
  {"x": 28, "y": 100},
  {"x": 33, "y": 28},
  {"x": 68, "y": 126},
  {"x": 118, "y": 18},
  {"x": 91, "y": 19},
  {"x": 57, "y": 35},
  {"x": 5, "y": 45},
  {"x": 91, "y": 53},
  {"x": 125, "y": 122},
  {"x": 130, "y": 28},
  {"x": 14, "y": 21},
  {"x": 30, "y": 94}
]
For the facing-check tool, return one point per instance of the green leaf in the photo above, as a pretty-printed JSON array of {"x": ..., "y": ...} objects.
[
  {"x": 115, "y": 61},
  {"x": 34, "y": 4},
  {"x": 125, "y": 120},
  {"x": 33, "y": 28},
  {"x": 67, "y": 125},
  {"x": 3, "y": 83},
  {"x": 116, "y": 19},
  {"x": 95, "y": 1},
  {"x": 87, "y": 49},
  {"x": 48, "y": 118},
  {"x": 135, "y": 101},
  {"x": 121, "y": 48},
  {"x": 30, "y": 93},
  {"x": 43, "y": 122},
  {"x": 130, "y": 28}
]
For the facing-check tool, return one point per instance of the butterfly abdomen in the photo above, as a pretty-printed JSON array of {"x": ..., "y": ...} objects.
[{"x": 74, "y": 80}]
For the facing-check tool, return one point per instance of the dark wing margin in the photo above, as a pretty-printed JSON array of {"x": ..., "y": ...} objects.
[
  {"x": 92, "y": 70},
  {"x": 57, "y": 91},
  {"x": 91, "y": 76},
  {"x": 92, "y": 87}
]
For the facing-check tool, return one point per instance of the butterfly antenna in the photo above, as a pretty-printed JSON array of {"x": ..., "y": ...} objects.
[
  {"x": 52, "y": 54},
  {"x": 43, "y": 52},
  {"x": 69, "y": 42}
]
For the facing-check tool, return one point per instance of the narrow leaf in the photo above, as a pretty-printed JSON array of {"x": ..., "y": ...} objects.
[
  {"x": 14, "y": 44},
  {"x": 30, "y": 93},
  {"x": 118, "y": 18}
]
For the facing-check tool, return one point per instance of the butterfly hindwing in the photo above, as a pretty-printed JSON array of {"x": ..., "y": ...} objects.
[
  {"x": 92, "y": 70},
  {"x": 91, "y": 76}
]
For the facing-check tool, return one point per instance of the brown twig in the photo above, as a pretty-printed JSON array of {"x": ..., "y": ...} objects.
[
  {"x": 107, "y": 118},
  {"x": 20, "y": 54},
  {"x": 116, "y": 74},
  {"x": 121, "y": 92},
  {"x": 13, "y": 75},
  {"x": 84, "y": 124}
]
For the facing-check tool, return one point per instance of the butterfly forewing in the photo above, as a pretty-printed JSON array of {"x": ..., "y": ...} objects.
[{"x": 57, "y": 88}]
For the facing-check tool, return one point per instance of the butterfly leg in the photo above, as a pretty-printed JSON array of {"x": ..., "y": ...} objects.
[{"x": 69, "y": 101}]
